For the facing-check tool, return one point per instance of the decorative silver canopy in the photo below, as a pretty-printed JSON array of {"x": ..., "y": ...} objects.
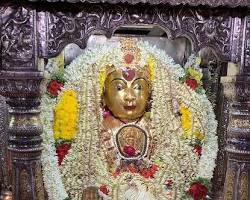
[{"x": 212, "y": 3}]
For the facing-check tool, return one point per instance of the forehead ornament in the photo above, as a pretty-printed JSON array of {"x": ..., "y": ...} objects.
[
  {"x": 131, "y": 53},
  {"x": 131, "y": 62},
  {"x": 131, "y": 58},
  {"x": 128, "y": 58},
  {"x": 128, "y": 74}
]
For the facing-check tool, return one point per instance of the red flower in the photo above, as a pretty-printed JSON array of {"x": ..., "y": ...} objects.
[
  {"x": 129, "y": 150},
  {"x": 146, "y": 173},
  {"x": 133, "y": 168},
  {"x": 198, "y": 191},
  {"x": 62, "y": 151},
  {"x": 153, "y": 169},
  {"x": 192, "y": 83},
  {"x": 104, "y": 189},
  {"x": 54, "y": 86},
  {"x": 198, "y": 150}
]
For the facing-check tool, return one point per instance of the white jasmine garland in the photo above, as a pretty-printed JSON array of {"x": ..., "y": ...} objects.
[
  {"x": 85, "y": 167},
  {"x": 51, "y": 174}
]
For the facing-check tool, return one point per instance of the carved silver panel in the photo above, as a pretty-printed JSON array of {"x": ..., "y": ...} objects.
[
  {"x": 231, "y": 3},
  {"x": 246, "y": 43},
  {"x": 4, "y": 177},
  {"x": 17, "y": 38},
  {"x": 203, "y": 27}
]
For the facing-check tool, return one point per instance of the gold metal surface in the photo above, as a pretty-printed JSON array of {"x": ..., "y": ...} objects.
[
  {"x": 132, "y": 136},
  {"x": 127, "y": 100}
]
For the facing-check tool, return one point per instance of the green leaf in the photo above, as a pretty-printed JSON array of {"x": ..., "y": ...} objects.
[
  {"x": 50, "y": 95},
  {"x": 60, "y": 141},
  {"x": 200, "y": 90},
  {"x": 58, "y": 76}
]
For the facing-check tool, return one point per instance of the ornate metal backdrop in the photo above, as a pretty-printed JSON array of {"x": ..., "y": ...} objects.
[{"x": 33, "y": 30}]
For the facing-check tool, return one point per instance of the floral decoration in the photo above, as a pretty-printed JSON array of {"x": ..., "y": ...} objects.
[
  {"x": 169, "y": 183},
  {"x": 196, "y": 135},
  {"x": 198, "y": 150},
  {"x": 65, "y": 123},
  {"x": 129, "y": 150},
  {"x": 62, "y": 151},
  {"x": 102, "y": 77},
  {"x": 186, "y": 120},
  {"x": 199, "y": 135},
  {"x": 104, "y": 189},
  {"x": 66, "y": 112},
  {"x": 191, "y": 133},
  {"x": 193, "y": 74},
  {"x": 54, "y": 87},
  {"x": 55, "y": 84},
  {"x": 198, "y": 191},
  {"x": 151, "y": 67},
  {"x": 146, "y": 171},
  {"x": 192, "y": 83},
  {"x": 106, "y": 113},
  {"x": 51, "y": 173}
]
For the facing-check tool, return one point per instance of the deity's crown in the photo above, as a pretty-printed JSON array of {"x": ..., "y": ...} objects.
[{"x": 131, "y": 62}]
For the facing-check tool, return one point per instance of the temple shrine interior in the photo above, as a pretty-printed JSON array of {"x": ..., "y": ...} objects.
[{"x": 125, "y": 100}]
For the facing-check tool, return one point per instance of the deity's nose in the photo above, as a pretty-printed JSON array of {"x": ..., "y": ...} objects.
[{"x": 129, "y": 95}]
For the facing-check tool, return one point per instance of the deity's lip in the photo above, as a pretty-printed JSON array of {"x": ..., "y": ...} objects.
[{"x": 129, "y": 107}]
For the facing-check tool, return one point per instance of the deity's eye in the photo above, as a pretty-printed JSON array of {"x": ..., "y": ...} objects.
[
  {"x": 138, "y": 87},
  {"x": 119, "y": 87}
]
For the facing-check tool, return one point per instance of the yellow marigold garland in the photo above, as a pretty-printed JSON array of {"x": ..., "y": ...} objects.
[
  {"x": 186, "y": 121},
  {"x": 187, "y": 124},
  {"x": 65, "y": 114},
  {"x": 151, "y": 67},
  {"x": 102, "y": 78}
]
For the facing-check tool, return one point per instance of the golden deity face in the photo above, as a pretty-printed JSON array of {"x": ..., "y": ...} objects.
[{"x": 126, "y": 94}]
